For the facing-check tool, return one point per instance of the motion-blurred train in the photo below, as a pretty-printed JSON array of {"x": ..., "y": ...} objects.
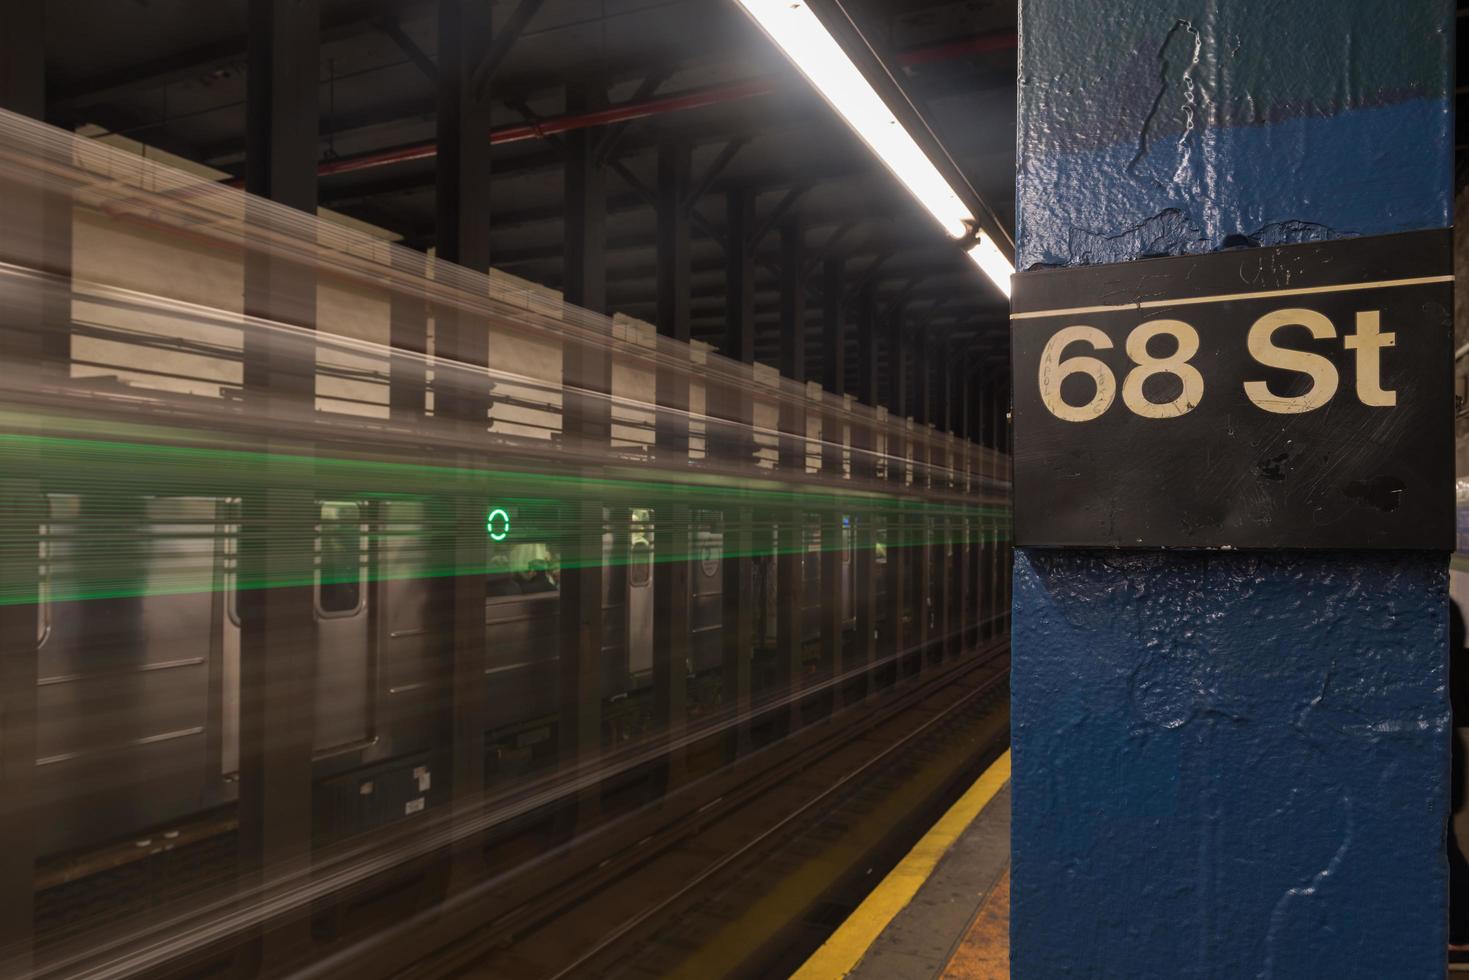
[
  {"x": 139, "y": 696},
  {"x": 131, "y": 421}
]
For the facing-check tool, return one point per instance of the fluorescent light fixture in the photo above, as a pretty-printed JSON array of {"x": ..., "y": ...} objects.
[
  {"x": 987, "y": 255},
  {"x": 797, "y": 31}
]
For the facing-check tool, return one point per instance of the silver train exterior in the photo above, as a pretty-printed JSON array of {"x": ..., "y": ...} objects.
[{"x": 139, "y": 696}]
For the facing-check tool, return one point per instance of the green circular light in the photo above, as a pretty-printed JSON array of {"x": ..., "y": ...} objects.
[{"x": 504, "y": 517}]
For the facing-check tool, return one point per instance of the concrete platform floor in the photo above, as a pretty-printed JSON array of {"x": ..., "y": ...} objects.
[{"x": 944, "y": 911}]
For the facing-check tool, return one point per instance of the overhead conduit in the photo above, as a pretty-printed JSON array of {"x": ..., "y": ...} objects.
[{"x": 643, "y": 109}]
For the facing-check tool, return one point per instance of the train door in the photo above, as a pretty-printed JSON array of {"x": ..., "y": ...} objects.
[
  {"x": 615, "y": 526},
  {"x": 123, "y": 720},
  {"x": 346, "y": 651},
  {"x": 402, "y": 589},
  {"x": 523, "y": 641},
  {"x": 767, "y": 584},
  {"x": 707, "y": 592},
  {"x": 640, "y": 599},
  {"x": 811, "y": 594},
  {"x": 228, "y": 630},
  {"x": 346, "y": 648},
  {"x": 848, "y": 587}
]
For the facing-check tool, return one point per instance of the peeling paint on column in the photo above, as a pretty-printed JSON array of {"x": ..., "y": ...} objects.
[
  {"x": 1229, "y": 764},
  {"x": 1218, "y": 119}
]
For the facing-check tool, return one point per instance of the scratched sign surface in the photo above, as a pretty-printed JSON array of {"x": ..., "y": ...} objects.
[{"x": 1298, "y": 396}]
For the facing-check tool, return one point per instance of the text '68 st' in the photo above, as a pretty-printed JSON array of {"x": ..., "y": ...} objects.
[{"x": 1293, "y": 396}]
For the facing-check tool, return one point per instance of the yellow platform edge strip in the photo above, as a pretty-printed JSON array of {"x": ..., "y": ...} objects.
[{"x": 846, "y": 947}]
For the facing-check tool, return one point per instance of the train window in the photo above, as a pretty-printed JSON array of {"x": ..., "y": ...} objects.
[
  {"x": 641, "y": 572},
  {"x": 516, "y": 563},
  {"x": 339, "y": 570},
  {"x": 43, "y": 588},
  {"x": 230, "y": 538},
  {"x": 709, "y": 559}
]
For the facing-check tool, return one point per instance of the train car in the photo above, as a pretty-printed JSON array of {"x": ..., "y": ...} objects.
[
  {"x": 197, "y": 528},
  {"x": 155, "y": 736}
]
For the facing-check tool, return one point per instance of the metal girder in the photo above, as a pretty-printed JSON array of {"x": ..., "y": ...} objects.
[
  {"x": 834, "y": 380},
  {"x": 643, "y": 191},
  {"x": 277, "y": 624},
  {"x": 23, "y": 90},
  {"x": 733, "y": 404},
  {"x": 462, "y": 219},
  {"x": 586, "y": 373},
  {"x": 791, "y": 522},
  {"x": 739, "y": 329},
  {"x": 900, "y": 301},
  {"x": 675, "y": 246},
  {"x": 673, "y": 532},
  {"x": 647, "y": 88},
  {"x": 864, "y": 466},
  {"x": 792, "y": 304},
  {"x": 867, "y": 347},
  {"x": 408, "y": 342},
  {"x": 833, "y": 327},
  {"x": 196, "y": 62},
  {"x": 505, "y": 38},
  {"x": 409, "y": 47},
  {"x": 715, "y": 168},
  {"x": 782, "y": 207},
  {"x": 897, "y": 468},
  {"x": 828, "y": 249}
]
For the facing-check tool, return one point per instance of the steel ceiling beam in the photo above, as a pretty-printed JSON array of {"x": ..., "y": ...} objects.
[
  {"x": 505, "y": 39},
  {"x": 395, "y": 33},
  {"x": 202, "y": 60}
]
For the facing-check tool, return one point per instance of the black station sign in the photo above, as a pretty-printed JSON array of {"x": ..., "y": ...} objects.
[{"x": 1298, "y": 396}]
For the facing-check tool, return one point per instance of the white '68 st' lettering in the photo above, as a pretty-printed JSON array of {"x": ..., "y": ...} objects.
[
  {"x": 1367, "y": 342},
  {"x": 1321, "y": 372}
]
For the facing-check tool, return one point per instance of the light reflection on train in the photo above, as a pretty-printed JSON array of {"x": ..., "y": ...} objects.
[
  {"x": 145, "y": 440},
  {"x": 140, "y": 695}
]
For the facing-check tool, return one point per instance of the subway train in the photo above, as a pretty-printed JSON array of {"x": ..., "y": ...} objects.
[
  {"x": 177, "y": 502},
  {"x": 155, "y": 735}
]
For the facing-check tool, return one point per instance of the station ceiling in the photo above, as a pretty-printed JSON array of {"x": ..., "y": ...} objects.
[{"x": 171, "y": 74}]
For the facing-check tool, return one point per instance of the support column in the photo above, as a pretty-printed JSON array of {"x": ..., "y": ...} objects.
[
  {"x": 948, "y": 548},
  {"x": 791, "y": 523},
  {"x": 23, "y": 90},
  {"x": 1229, "y": 763},
  {"x": 995, "y": 555},
  {"x": 673, "y": 538},
  {"x": 461, "y": 397},
  {"x": 408, "y": 339},
  {"x": 1006, "y": 577},
  {"x": 965, "y": 580},
  {"x": 864, "y": 471},
  {"x": 898, "y": 531},
  {"x": 277, "y": 621},
  {"x": 983, "y": 580},
  {"x": 737, "y": 630},
  {"x": 833, "y": 531},
  {"x": 586, "y": 428},
  {"x": 923, "y": 468}
]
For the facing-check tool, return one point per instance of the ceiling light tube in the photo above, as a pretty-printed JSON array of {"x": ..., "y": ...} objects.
[
  {"x": 987, "y": 255},
  {"x": 798, "y": 32}
]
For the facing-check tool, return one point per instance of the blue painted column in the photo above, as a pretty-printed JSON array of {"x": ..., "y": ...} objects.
[{"x": 1229, "y": 764}]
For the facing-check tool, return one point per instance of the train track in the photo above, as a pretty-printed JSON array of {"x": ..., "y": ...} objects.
[{"x": 756, "y": 876}]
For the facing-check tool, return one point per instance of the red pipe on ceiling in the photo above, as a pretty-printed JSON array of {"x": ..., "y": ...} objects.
[
  {"x": 979, "y": 44},
  {"x": 696, "y": 99}
]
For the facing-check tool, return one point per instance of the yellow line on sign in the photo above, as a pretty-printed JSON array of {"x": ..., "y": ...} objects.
[
  {"x": 1073, "y": 311},
  {"x": 839, "y": 954},
  {"x": 1226, "y": 297},
  {"x": 1344, "y": 287}
]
